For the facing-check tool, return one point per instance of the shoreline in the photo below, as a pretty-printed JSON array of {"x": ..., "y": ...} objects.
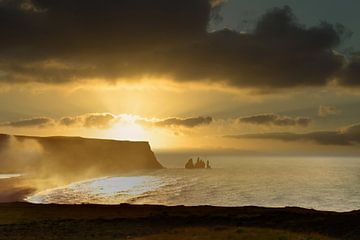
[{"x": 44, "y": 221}]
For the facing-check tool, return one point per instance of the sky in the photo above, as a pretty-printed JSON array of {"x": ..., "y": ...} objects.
[{"x": 272, "y": 76}]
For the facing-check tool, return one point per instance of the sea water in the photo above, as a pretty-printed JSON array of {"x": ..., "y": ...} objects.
[
  {"x": 7, "y": 176},
  {"x": 322, "y": 183}
]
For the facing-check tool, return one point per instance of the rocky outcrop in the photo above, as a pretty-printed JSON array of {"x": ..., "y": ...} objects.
[{"x": 200, "y": 164}]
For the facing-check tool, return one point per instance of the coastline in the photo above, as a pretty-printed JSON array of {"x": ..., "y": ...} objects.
[{"x": 23, "y": 220}]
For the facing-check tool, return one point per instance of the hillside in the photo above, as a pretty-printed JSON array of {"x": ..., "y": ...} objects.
[{"x": 147, "y": 222}]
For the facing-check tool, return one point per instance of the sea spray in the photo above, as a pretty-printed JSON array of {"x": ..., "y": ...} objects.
[{"x": 19, "y": 155}]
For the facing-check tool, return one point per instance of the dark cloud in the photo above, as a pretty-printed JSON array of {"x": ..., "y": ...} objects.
[
  {"x": 353, "y": 132},
  {"x": 179, "y": 122},
  {"x": 351, "y": 74},
  {"x": 347, "y": 136},
  {"x": 55, "y": 41},
  {"x": 217, "y": 2},
  {"x": 99, "y": 120},
  {"x": 275, "y": 119},
  {"x": 71, "y": 121},
  {"x": 325, "y": 111},
  {"x": 32, "y": 122}
]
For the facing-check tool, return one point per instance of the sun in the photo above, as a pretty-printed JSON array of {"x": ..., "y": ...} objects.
[
  {"x": 128, "y": 118},
  {"x": 131, "y": 131},
  {"x": 128, "y": 129}
]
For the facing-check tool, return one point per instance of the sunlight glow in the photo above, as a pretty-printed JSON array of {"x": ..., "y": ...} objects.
[
  {"x": 128, "y": 129},
  {"x": 128, "y": 118}
]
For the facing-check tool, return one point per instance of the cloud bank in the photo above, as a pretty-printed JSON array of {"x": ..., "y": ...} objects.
[
  {"x": 91, "y": 120},
  {"x": 347, "y": 136},
  {"x": 325, "y": 111},
  {"x": 276, "y": 120},
  {"x": 179, "y": 122},
  {"x": 94, "y": 120},
  {"x": 54, "y": 42},
  {"x": 31, "y": 122},
  {"x": 105, "y": 121}
]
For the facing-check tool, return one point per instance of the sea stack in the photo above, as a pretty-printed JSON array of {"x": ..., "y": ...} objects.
[{"x": 200, "y": 164}]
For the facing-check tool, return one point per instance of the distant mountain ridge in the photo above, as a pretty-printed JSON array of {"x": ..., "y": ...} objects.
[{"x": 73, "y": 158}]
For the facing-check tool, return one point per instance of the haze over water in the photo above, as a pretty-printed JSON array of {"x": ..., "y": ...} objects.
[{"x": 326, "y": 183}]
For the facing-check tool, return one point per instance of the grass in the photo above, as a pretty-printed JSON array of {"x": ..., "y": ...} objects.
[{"x": 228, "y": 233}]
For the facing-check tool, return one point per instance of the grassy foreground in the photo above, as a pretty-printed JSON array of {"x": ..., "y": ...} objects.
[
  {"x": 240, "y": 233},
  {"x": 26, "y": 221}
]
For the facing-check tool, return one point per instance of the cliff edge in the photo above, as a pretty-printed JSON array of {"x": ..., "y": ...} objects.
[{"x": 73, "y": 158}]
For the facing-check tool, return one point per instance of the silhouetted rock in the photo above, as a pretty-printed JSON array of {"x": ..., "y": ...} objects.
[
  {"x": 190, "y": 164},
  {"x": 200, "y": 164},
  {"x": 208, "y": 164}
]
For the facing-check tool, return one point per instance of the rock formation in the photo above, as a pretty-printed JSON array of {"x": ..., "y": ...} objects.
[{"x": 198, "y": 165}]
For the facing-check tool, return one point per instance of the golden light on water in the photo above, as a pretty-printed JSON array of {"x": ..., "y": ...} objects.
[
  {"x": 109, "y": 190},
  {"x": 6, "y": 176}
]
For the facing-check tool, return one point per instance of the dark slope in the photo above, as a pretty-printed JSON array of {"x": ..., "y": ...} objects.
[{"x": 122, "y": 221}]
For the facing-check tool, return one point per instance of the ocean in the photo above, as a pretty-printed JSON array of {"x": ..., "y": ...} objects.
[
  {"x": 7, "y": 176},
  {"x": 322, "y": 183}
]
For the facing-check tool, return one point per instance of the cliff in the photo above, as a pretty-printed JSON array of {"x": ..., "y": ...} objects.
[{"x": 73, "y": 158}]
